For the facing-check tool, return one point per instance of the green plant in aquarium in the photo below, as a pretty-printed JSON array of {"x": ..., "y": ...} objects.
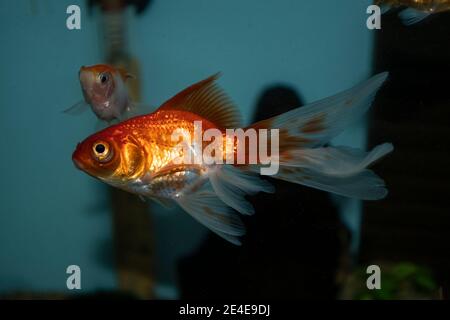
[{"x": 398, "y": 281}]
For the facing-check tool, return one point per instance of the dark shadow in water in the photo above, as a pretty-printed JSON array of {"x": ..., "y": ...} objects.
[
  {"x": 412, "y": 111},
  {"x": 292, "y": 247}
]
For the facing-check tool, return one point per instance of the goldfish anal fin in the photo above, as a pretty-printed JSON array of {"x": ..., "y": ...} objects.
[
  {"x": 231, "y": 185},
  {"x": 206, "y": 99},
  {"x": 204, "y": 206}
]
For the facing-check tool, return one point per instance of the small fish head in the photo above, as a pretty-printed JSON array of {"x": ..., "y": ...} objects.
[
  {"x": 97, "y": 83},
  {"x": 111, "y": 156}
]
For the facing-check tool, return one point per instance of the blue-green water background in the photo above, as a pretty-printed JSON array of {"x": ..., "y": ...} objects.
[{"x": 52, "y": 215}]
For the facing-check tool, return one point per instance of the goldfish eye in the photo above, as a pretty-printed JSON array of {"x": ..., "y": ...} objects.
[
  {"x": 102, "y": 152},
  {"x": 103, "y": 77},
  {"x": 100, "y": 148}
]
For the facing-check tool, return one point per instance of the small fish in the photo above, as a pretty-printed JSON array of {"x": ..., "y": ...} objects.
[
  {"x": 105, "y": 91},
  {"x": 138, "y": 155},
  {"x": 417, "y": 10}
]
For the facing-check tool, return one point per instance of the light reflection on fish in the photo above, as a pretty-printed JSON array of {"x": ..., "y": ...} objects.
[
  {"x": 138, "y": 155},
  {"x": 105, "y": 91},
  {"x": 417, "y": 10}
]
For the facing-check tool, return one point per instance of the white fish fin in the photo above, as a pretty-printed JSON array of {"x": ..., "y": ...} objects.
[
  {"x": 78, "y": 108},
  {"x": 230, "y": 238},
  {"x": 411, "y": 16},
  {"x": 341, "y": 170},
  {"x": 335, "y": 161},
  {"x": 232, "y": 184},
  {"x": 209, "y": 210},
  {"x": 365, "y": 185},
  {"x": 315, "y": 124}
]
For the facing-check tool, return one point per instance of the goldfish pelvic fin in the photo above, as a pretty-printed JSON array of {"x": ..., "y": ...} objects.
[
  {"x": 210, "y": 211},
  {"x": 207, "y": 100},
  {"x": 315, "y": 124},
  {"x": 232, "y": 184},
  {"x": 411, "y": 16},
  {"x": 78, "y": 108},
  {"x": 340, "y": 170}
]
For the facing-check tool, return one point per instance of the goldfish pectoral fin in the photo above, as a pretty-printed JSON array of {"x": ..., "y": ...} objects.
[
  {"x": 411, "y": 16},
  {"x": 78, "y": 108},
  {"x": 209, "y": 210},
  {"x": 340, "y": 170},
  {"x": 317, "y": 123},
  {"x": 232, "y": 184}
]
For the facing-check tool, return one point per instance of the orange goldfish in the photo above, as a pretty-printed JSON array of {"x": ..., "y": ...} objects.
[
  {"x": 140, "y": 155},
  {"x": 417, "y": 9},
  {"x": 105, "y": 91}
]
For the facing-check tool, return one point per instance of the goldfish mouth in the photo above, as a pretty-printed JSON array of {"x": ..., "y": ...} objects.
[{"x": 78, "y": 164}]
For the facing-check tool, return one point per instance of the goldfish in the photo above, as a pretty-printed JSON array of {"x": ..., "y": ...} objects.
[
  {"x": 105, "y": 91},
  {"x": 141, "y": 156},
  {"x": 417, "y": 10}
]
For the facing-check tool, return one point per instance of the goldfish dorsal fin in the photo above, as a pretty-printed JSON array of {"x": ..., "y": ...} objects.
[{"x": 206, "y": 99}]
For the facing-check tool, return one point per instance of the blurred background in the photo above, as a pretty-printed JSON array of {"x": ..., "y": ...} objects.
[{"x": 274, "y": 56}]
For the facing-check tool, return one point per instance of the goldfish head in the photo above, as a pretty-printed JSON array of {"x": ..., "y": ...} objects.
[
  {"x": 114, "y": 158},
  {"x": 97, "y": 82}
]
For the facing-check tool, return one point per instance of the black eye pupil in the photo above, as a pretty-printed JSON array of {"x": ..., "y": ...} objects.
[
  {"x": 103, "y": 78},
  {"x": 100, "y": 148}
]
